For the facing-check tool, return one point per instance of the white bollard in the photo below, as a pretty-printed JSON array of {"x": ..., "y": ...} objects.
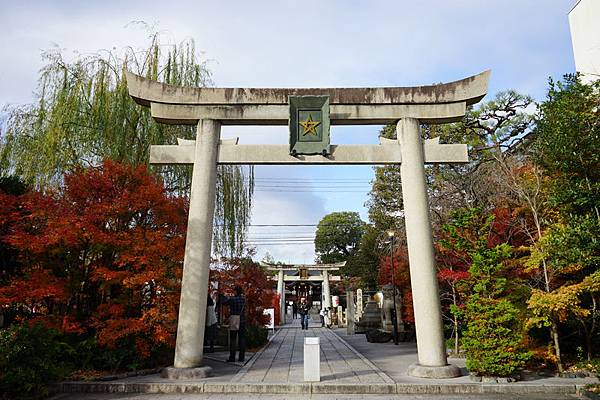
[{"x": 312, "y": 359}]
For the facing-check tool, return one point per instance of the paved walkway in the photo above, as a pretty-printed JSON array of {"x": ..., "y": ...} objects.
[
  {"x": 350, "y": 368},
  {"x": 282, "y": 360}
]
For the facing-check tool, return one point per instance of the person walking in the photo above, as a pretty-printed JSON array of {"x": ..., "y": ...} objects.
[
  {"x": 211, "y": 324},
  {"x": 294, "y": 310},
  {"x": 303, "y": 311},
  {"x": 322, "y": 316},
  {"x": 327, "y": 318},
  {"x": 237, "y": 324}
]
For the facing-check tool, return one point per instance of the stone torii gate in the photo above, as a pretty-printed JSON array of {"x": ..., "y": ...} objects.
[
  {"x": 407, "y": 107},
  {"x": 324, "y": 279}
]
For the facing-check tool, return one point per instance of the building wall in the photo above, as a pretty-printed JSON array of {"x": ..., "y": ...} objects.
[{"x": 584, "y": 21}]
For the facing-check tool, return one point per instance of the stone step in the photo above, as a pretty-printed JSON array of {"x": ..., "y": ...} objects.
[{"x": 313, "y": 388}]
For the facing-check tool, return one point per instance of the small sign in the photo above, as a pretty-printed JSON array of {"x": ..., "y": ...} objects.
[
  {"x": 309, "y": 125},
  {"x": 335, "y": 301},
  {"x": 271, "y": 313}
]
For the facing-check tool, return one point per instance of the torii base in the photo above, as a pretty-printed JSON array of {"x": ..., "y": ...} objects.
[
  {"x": 186, "y": 373},
  {"x": 443, "y": 372}
]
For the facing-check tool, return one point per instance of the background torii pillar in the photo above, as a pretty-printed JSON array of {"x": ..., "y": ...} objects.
[
  {"x": 325, "y": 290},
  {"x": 431, "y": 347},
  {"x": 281, "y": 293}
]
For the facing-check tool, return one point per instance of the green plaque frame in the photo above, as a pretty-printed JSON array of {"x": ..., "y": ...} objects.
[{"x": 309, "y": 125}]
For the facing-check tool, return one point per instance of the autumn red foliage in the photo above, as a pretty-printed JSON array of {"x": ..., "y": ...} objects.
[
  {"x": 103, "y": 255},
  {"x": 256, "y": 284},
  {"x": 401, "y": 279}
]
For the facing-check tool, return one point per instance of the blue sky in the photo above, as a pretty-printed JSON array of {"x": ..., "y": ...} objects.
[{"x": 306, "y": 44}]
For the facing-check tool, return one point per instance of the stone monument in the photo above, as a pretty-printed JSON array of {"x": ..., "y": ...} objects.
[
  {"x": 340, "y": 313},
  {"x": 359, "y": 304},
  {"x": 371, "y": 318},
  {"x": 350, "y": 311},
  {"x": 388, "y": 305}
]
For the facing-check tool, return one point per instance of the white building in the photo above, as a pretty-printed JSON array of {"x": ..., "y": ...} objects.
[{"x": 584, "y": 21}]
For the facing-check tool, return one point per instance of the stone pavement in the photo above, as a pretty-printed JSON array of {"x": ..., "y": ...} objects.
[
  {"x": 394, "y": 360},
  {"x": 350, "y": 368},
  {"x": 282, "y": 360}
]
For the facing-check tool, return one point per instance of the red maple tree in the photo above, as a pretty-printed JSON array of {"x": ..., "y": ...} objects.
[
  {"x": 256, "y": 284},
  {"x": 401, "y": 279},
  {"x": 103, "y": 254}
]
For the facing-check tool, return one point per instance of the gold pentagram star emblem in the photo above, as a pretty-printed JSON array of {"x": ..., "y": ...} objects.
[{"x": 310, "y": 126}]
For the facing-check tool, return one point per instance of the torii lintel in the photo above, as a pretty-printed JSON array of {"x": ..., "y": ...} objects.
[{"x": 309, "y": 267}]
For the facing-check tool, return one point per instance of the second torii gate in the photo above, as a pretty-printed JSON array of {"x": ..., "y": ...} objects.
[
  {"x": 324, "y": 279},
  {"x": 407, "y": 107}
]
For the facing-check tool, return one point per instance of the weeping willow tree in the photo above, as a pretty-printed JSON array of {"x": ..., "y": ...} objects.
[{"x": 83, "y": 114}]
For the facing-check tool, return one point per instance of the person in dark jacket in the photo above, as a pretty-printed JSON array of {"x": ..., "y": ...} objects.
[
  {"x": 303, "y": 311},
  {"x": 237, "y": 305}
]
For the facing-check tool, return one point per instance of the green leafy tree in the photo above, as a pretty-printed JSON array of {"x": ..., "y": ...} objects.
[
  {"x": 385, "y": 199},
  {"x": 364, "y": 263},
  {"x": 565, "y": 147},
  {"x": 567, "y": 139},
  {"x": 338, "y": 236},
  {"x": 83, "y": 114},
  {"x": 571, "y": 255}
]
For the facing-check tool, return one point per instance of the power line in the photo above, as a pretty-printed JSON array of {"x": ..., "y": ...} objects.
[
  {"x": 310, "y": 191},
  {"x": 295, "y": 225},
  {"x": 304, "y": 186},
  {"x": 311, "y": 179},
  {"x": 274, "y": 243},
  {"x": 301, "y": 225}
]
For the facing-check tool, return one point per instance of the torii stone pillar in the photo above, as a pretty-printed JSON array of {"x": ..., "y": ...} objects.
[
  {"x": 431, "y": 348},
  {"x": 194, "y": 284},
  {"x": 281, "y": 293},
  {"x": 325, "y": 290}
]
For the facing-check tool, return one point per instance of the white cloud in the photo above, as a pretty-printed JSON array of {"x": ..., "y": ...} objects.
[{"x": 281, "y": 208}]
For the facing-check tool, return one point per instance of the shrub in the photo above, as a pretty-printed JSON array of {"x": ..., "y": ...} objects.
[
  {"x": 256, "y": 336},
  {"x": 31, "y": 358},
  {"x": 88, "y": 354},
  {"x": 493, "y": 340},
  {"x": 592, "y": 366}
]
